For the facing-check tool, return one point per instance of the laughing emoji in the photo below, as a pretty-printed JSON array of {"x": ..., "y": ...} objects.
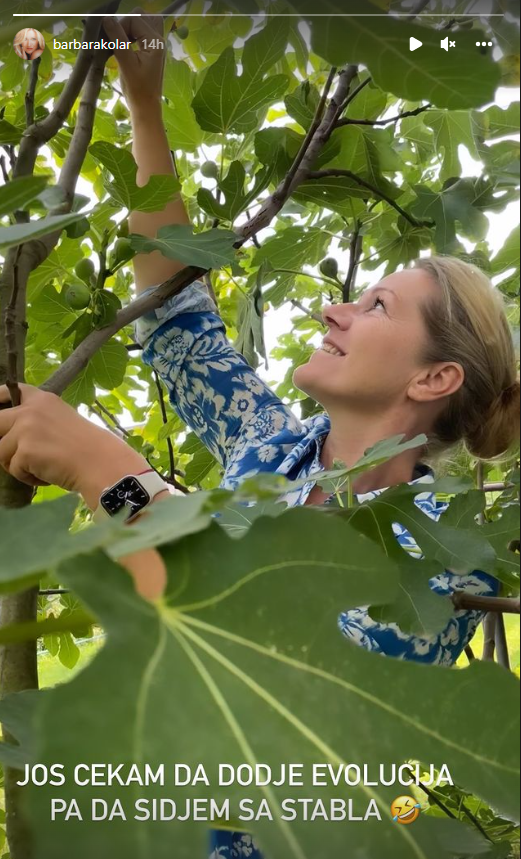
[{"x": 405, "y": 810}]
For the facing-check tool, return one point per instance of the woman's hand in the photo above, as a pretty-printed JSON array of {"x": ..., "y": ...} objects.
[
  {"x": 141, "y": 71},
  {"x": 44, "y": 441}
]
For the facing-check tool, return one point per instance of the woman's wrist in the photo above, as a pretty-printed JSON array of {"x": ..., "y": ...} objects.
[
  {"x": 145, "y": 109},
  {"x": 112, "y": 460}
]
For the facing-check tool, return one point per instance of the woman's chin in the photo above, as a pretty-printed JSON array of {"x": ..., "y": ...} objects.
[{"x": 305, "y": 379}]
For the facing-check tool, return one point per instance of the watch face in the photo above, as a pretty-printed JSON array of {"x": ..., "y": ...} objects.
[{"x": 127, "y": 493}]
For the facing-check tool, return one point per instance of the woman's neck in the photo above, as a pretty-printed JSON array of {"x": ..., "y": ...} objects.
[{"x": 349, "y": 441}]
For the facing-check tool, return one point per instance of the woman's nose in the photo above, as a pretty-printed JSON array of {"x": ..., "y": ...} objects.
[{"x": 338, "y": 315}]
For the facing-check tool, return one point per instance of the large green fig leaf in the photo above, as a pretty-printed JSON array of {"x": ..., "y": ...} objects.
[
  {"x": 11, "y": 236},
  {"x": 228, "y": 102},
  {"x": 151, "y": 197},
  {"x": 236, "y": 199},
  {"x": 245, "y": 637},
  {"x": 36, "y": 539},
  {"x": 210, "y": 249},
  {"x": 180, "y": 122},
  {"x": 460, "y": 78},
  {"x": 19, "y": 192},
  {"x": 453, "y": 128}
]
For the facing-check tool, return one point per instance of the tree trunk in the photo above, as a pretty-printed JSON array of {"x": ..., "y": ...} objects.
[
  {"x": 18, "y": 666},
  {"x": 18, "y": 671}
]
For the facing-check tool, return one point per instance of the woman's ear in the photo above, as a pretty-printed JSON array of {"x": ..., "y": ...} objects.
[{"x": 440, "y": 381}]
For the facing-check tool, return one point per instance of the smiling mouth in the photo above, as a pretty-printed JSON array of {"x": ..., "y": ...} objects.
[
  {"x": 406, "y": 814},
  {"x": 331, "y": 350}
]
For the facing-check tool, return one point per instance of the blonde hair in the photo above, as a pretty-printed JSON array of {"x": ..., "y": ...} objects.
[
  {"x": 467, "y": 324},
  {"x": 20, "y": 37}
]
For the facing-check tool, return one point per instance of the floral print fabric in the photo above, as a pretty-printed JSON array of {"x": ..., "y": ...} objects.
[{"x": 249, "y": 430}]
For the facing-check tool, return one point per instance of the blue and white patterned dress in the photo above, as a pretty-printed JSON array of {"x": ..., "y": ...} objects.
[{"x": 249, "y": 430}]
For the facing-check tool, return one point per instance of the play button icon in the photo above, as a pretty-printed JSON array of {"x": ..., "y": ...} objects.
[{"x": 414, "y": 44}]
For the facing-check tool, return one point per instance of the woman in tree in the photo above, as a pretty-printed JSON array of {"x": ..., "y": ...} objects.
[
  {"x": 427, "y": 350},
  {"x": 29, "y": 44}
]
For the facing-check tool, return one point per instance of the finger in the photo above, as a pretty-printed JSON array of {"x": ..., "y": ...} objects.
[
  {"x": 25, "y": 391},
  {"x": 8, "y": 445},
  {"x": 154, "y": 21},
  {"x": 5, "y": 395},
  {"x": 119, "y": 30},
  {"x": 17, "y": 471},
  {"x": 144, "y": 29},
  {"x": 8, "y": 418}
]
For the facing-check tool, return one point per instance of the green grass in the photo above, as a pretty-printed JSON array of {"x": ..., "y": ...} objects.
[
  {"x": 51, "y": 671},
  {"x": 512, "y": 628}
]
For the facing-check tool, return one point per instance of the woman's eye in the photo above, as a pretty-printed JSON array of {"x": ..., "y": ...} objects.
[{"x": 377, "y": 301}]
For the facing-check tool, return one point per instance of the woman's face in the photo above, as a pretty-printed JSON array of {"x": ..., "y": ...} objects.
[
  {"x": 30, "y": 42},
  {"x": 378, "y": 340}
]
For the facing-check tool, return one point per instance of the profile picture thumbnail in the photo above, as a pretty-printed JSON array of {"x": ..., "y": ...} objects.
[{"x": 29, "y": 44}]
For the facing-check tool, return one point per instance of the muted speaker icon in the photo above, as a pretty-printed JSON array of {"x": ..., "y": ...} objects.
[{"x": 446, "y": 44}]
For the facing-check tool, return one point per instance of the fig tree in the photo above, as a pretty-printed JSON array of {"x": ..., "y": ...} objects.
[
  {"x": 77, "y": 296},
  {"x": 329, "y": 267}
]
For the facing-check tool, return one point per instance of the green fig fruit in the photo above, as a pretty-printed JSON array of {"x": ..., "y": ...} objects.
[
  {"x": 182, "y": 32},
  {"x": 120, "y": 112},
  {"x": 209, "y": 170},
  {"x": 122, "y": 251},
  {"x": 329, "y": 267},
  {"x": 77, "y": 296},
  {"x": 123, "y": 229},
  {"x": 84, "y": 269}
]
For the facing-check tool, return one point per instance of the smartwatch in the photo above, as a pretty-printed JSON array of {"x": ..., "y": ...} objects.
[{"x": 133, "y": 491}]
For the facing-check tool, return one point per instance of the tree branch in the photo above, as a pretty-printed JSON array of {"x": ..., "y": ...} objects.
[
  {"x": 304, "y": 159},
  {"x": 469, "y": 653},
  {"x": 164, "y": 416},
  {"x": 81, "y": 356},
  {"x": 406, "y": 113},
  {"x": 110, "y": 420},
  {"x": 337, "y": 172},
  {"x": 3, "y": 168},
  {"x": 506, "y": 605},
  {"x": 31, "y": 89},
  {"x": 503, "y": 656},
  {"x": 355, "y": 252},
  {"x": 435, "y": 799},
  {"x": 352, "y": 95},
  {"x": 41, "y": 132},
  {"x": 316, "y": 316},
  {"x": 11, "y": 337},
  {"x": 82, "y": 134},
  {"x": 282, "y": 191},
  {"x": 18, "y": 664}
]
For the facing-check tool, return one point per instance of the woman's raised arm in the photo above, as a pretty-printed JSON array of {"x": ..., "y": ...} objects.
[
  {"x": 142, "y": 79},
  {"x": 209, "y": 383}
]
